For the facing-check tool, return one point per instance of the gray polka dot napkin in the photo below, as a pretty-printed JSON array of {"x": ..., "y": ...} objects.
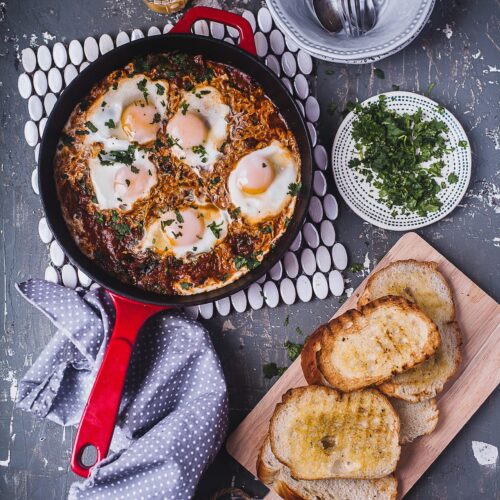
[{"x": 173, "y": 414}]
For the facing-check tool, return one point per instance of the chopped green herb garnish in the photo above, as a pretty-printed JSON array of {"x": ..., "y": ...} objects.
[
  {"x": 294, "y": 188},
  {"x": 299, "y": 330},
  {"x": 134, "y": 170},
  {"x": 215, "y": 181},
  {"x": 66, "y": 139},
  {"x": 91, "y": 127},
  {"x": 94, "y": 199},
  {"x": 81, "y": 132},
  {"x": 110, "y": 123},
  {"x": 121, "y": 156},
  {"x": 121, "y": 230},
  {"x": 172, "y": 141},
  {"x": 271, "y": 370},
  {"x": 160, "y": 89},
  {"x": 397, "y": 154},
  {"x": 379, "y": 73},
  {"x": 165, "y": 223},
  {"x": 156, "y": 118},
  {"x": 200, "y": 150},
  {"x": 356, "y": 267},
  {"x": 127, "y": 182},
  {"x": 430, "y": 88},
  {"x": 216, "y": 228},
  {"x": 185, "y": 285},
  {"x": 184, "y": 107},
  {"x": 395, "y": 87},
  {"x": 332, "y": 107},
  {"x": 440, "y": 110},
  {"x": 453, "y": 178},
  {"x": 266, "y": 230},
  {"x": 462, "y": 144},
  {"x": 179, "y": 217},
  {"x": 248, "y": 262},
  {"x": 142, "y": 86},
  {"x": 234, "y": 213},
  {"x": 293, "y": 350},
  {"x": 99, "y": 218}
]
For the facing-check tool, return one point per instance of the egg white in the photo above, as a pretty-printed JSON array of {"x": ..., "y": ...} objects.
[
  {"x": 207, "y": 102},
  {"x": 110, "y": 106},
  {"x": 159, "y": 237},
  {"x": 272, "y": 201},
  {"x": 119, "y": 185}
]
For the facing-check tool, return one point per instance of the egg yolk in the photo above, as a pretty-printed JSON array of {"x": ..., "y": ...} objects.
[
  {"x": 187, "y": 227},
  {"x": 188, "y": 129},
  {"x": 255, "y": 174},
  {"x": 129, "y": 185},
  {"x": 140, "y": 122}
]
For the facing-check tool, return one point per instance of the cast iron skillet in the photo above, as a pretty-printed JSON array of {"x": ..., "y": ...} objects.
[{"x": 133, "y": 305}]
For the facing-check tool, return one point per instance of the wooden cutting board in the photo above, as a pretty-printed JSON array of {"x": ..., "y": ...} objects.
[{"x": 479, "y": 373}]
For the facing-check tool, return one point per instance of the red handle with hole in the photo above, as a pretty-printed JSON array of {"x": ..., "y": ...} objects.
[
  {"x": 185, "y": 24},
  {"x": 99, "y": 416}
]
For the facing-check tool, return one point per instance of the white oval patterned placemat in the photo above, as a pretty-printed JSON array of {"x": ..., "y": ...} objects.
[
  {"x": 362, "y": 197},
  {"x": 313, "y": 263}
]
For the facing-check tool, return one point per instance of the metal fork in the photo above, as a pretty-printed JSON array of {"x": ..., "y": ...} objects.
[{"x": 358, "y": 16}]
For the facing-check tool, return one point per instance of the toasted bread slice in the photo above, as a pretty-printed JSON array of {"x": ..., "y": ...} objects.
[
  {"x": 277, "y": 476},
  {"x": 424, "y": 285},
  {"x": 366, "y": 347},
  {"x": 418, "y": 282},
  {"x": 427, "y": 380},
  {"x": 320, "y": 433},
  {"x": 416, "y": 419}
]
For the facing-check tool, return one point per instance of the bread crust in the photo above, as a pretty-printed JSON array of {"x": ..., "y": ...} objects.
[
  {"x": 411, "y": 392},
  {"x": 432, "y": 266},
  {"x": 308, "y": 358},
  {"x": 318, "y": 365},
  {"x": 277, "y": 476}
]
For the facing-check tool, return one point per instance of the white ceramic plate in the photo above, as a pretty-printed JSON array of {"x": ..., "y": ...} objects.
[
  {"x": 362, "y": 197},
  {"x": 399, "y": 22}
]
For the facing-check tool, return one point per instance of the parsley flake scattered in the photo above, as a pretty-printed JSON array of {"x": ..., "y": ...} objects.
[
  {"x": 271, "y": 370},
  {"x": 160, "y": 89},
  {"x": 293, "y": 350},
  {"x": 294, "y": 188},
  {"x": 249, "y": 262},
  {"x": 110, "y": 123},
  {"x": 142, "y": 86},
  {"x": 216, "y": 228},
  {"x": 379, "y": 73},
  {"x": 91, "y": 127}
]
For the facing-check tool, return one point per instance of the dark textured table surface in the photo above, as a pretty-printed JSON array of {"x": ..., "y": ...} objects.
[{"x": 458, "y": 50}]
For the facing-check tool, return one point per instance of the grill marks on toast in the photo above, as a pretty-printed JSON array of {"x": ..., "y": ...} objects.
[
  {"x": 320, "y": 433},
  {"x": 366, "y": 347}
]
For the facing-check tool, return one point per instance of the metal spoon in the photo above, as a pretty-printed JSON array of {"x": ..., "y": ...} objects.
[{"x": 328, "y": 15}]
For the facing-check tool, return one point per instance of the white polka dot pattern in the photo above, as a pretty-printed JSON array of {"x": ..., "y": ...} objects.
[
  {"x": 283, "y": 58},
  {"x": 173, "y": 415}
]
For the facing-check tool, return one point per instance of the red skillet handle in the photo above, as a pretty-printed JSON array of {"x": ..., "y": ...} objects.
[
  {"x": 99, "y": 416},
  {"x": 185, "y": 24}
]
